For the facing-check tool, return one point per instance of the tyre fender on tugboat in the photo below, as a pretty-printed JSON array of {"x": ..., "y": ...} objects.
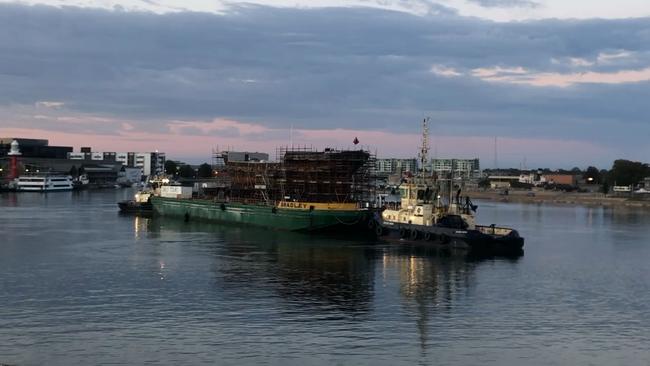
[
  {"x": 402, "y": 232},
  {"x": 379, "y": 230},
  {"x": 414, "y": 234},
  {"x": 371, "y": 223},
  {"x": 427, "y": 235}
]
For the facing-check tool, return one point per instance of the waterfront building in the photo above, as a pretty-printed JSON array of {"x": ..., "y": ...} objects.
[
  {"x": 562, "y": 179},
  {"x": 459, "y": 168},
  {"x": 129, "y": 175},
  {"x": 534, "y": 178},
  {"x": 219, "y": 159},
  {"x": 150, "y": 163},
  {"x": 396, "y": 166},
  {"x": 34, "y": 148},
  {"x": 102, "y": 174},
  {"x": 502, "y": 181},
  {"x": 38, "y": 157}
]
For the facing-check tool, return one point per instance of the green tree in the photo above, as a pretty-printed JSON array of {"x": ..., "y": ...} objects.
[
  {"x": 205, "y": 171},
  {"x": 626, "y": 173},
  {"x": 484, "y": 183},
  {"x": 592, "y": 175},
  {"x": 186, "y": 171},
  {"x": 170, "y": 167}
]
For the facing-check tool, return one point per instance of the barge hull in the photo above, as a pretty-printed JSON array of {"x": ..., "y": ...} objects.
[{"x": 263, "y": 216}]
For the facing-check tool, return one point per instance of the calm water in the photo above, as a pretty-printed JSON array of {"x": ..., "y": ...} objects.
[{"x": 81, "y": 284}]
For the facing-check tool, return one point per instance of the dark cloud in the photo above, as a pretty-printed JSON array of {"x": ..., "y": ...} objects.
[
  {"x": 505, "y": 3},
  {"x": 327, "y": 68}
]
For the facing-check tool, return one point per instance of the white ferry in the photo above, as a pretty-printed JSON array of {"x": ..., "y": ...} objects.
[{"x": 44, "y": 183}]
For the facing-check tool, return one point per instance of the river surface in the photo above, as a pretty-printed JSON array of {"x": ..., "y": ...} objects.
[{"x": 81, "y": 284}]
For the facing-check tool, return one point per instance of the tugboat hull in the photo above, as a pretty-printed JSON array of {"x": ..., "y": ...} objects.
[
  {"x": 133, "y": 207},
  {"x": 474, "y": 241}
]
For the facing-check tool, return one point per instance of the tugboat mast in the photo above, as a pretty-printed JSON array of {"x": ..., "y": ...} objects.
[{"x": 424, "y": 149}]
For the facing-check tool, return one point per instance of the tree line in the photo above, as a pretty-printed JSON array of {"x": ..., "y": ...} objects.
[
  {"x": 623, "y": 173},
  {"x": 182, "y": 170}
]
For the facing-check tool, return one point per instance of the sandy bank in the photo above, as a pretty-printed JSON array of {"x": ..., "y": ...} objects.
[{"x": 587, "y": 199}]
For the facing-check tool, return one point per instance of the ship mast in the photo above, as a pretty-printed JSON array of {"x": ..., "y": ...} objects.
[{"x": 424, "y": 149}]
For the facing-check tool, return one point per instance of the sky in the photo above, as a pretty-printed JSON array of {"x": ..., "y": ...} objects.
[{"x": 544, "y": 83}]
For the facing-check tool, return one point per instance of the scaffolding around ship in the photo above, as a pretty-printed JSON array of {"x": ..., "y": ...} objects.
[{"x": 303, "y": 174}]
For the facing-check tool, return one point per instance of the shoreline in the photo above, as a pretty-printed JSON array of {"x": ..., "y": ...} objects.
[{"x": 560, "y": 198}]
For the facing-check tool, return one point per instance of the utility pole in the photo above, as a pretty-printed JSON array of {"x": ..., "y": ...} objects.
[{"x": 496, "y": 161}]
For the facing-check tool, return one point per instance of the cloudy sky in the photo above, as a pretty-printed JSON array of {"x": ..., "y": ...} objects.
[{"x": 558, "y": 83}]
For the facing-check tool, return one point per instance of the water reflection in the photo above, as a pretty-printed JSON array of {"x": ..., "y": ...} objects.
[
  {"x": 139, "y": 225},
  {"x": 81, "y": 284},
  {"x": 627, "y": 215},
  {"x": 324, "y": 278},
  {"x": 432, "y": 281},
  {"x": 303, "y": 271}
]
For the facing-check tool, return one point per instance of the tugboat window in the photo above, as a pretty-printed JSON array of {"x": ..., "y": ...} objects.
[
  {"x": 403, "y": 192},
  {"x": 453, "y": 222}
]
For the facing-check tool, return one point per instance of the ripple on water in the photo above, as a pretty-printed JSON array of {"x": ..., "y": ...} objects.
[{"x": 83, "y": 285}]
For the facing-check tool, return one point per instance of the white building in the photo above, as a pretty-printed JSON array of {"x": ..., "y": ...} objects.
[
  {"x": 395, "y": 166},
  {"x": 122, "y": 158},
  {"x": 463, "y": 168},
  {"x": 76, "y": 156},
  {"x": 534, "y": 178},
  {"x": 502, "y": 181},
  {"x": 150, "y": 163}
]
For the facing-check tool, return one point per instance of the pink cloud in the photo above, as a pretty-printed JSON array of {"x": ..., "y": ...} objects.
[
  {"x": 197, "y": 148},
  {"x": 217, "y": 124},
  {"x": 520, "y": 75}
]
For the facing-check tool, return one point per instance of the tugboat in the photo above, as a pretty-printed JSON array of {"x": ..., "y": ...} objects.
[
  {"x": 141, "y": 204},
  {"x": 423, "y": 216}
]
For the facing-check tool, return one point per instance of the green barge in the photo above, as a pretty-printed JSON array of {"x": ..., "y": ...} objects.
[{"x": 292, "y": 216}]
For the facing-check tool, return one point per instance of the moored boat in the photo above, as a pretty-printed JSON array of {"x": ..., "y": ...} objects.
[{"x": 44, "y": 183}]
